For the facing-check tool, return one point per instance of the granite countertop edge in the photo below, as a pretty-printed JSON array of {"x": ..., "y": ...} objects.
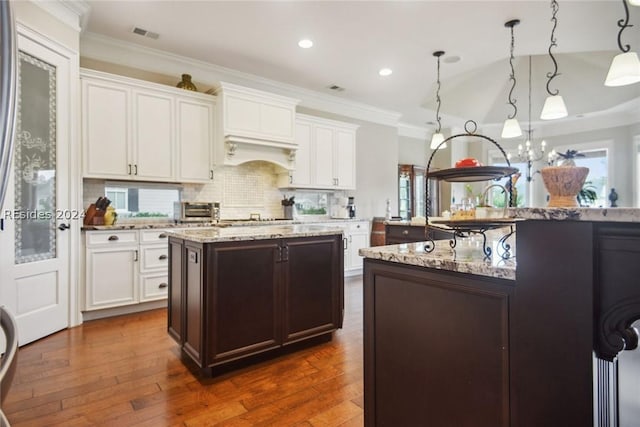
[
  {"x": 234, "y": 234},
  {"x": 578, "y": 214},
  {"x": 232, "y": 223},
  {"x": 442, "y": 258}
]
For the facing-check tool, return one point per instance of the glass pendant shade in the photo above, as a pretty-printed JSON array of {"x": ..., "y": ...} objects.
[
  {"x": 554, "y": 108},
  {"x": 436, "y": 139},
  {"x": 624, "y": 70},
  {"x": 511, "y": 128}
]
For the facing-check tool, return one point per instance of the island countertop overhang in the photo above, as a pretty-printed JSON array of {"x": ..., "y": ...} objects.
[{"x": 235, "y": 234}]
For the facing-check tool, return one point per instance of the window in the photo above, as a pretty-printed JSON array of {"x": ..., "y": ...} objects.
[
  {"x": 142, "y": 200},
  {"x": 521, "y": 194},
  {"x": 597, "y": 180}
]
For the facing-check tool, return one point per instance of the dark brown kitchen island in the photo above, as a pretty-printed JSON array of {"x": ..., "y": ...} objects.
[
  {"x": 238, "y": 292},
  {"x": 452, "y": 340}
]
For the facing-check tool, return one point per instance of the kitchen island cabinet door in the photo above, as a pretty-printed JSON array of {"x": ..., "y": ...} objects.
[
  {"x": 436, "y": 347},
  {"x": 242, "y": 298},
  {"x": 313, "y": 281}
]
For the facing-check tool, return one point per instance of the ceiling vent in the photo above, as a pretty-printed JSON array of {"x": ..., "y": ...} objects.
[
  {"x": 336, "y": 88},
  {"x": 142, "y": 32}
]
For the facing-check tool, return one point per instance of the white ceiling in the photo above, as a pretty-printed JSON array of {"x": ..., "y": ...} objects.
[{"x": 353, "y": 40}]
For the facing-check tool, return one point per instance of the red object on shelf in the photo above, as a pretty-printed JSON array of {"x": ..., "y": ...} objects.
[{"x": 468, "y": 163}]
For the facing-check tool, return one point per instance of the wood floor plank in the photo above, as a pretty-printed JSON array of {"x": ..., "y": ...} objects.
[{"x": 127, "y": 371}]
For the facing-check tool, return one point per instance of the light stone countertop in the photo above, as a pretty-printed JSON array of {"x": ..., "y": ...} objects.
[
  {"x": 234, "y": 234},
  {"x": 467, "y": 257},
  {"x": 578, "y": 214},
  {"x": 144, "y": 225}
]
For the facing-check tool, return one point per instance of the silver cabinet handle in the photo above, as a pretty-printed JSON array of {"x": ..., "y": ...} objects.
[
  {"x": 113, "y": 238},
  {"x": 164, "y": 236},
  {"x": 405, "y": 232},
  {"x": 129, "y": 169},
  {"x": 136, "y": 169},
  {"x": 162, "y": 257},
  {"x": 135, "y": 255},
  {"x": 163, "y": 285},
  {"x": 211, "y": 174}
]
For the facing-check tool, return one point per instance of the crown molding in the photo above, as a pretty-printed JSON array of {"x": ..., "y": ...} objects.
[
  {"x": 73, "y": 13},
  {"x": 412, "y": 131},
  {"x": 107, "y": 49}
]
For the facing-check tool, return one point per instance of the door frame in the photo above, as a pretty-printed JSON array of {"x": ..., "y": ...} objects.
[{"x": 71, "y": 161}]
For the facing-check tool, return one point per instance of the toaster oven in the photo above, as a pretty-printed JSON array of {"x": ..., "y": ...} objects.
[{"x": 196, "y": 211}]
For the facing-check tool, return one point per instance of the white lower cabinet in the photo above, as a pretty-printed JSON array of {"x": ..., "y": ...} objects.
[
  {"x": 357, "y": 238},
  {"x": 125, "y": 268}
]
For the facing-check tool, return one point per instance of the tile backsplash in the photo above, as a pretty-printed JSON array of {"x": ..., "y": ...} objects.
[{"x": 241, "y": 190}]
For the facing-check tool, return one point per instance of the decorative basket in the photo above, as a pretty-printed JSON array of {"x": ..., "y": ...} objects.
[{"x": 563, "y": 184}]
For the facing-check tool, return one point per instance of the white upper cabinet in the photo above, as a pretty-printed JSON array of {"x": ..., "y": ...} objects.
[
  {"x": 255, "y": 125},
  {"x": 326, "y": 157},
  {"x": 136, "y": 130},
  {"x": 195, "y": 136},
  {"x": 106, "y": 134},
  {"x": 153, "y": 129}
]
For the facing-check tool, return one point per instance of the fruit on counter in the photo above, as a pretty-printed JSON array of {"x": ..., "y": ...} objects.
[{"x": 468, "y": 163}]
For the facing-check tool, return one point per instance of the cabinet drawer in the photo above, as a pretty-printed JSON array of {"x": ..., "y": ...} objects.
[
  {"x": 154, "y": 286},
  {"x": 111, "y": 237},
  {"x": 361, "y": 226},
  {"x": 153, "y": 236},
  {"x": 154, "y": 257},
  {"x": 405, "y": 233}
]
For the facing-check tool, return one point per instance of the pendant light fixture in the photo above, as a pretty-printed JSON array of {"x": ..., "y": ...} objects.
[
  {"x": 437, "y": 137},
  {"x": 511, "y": 127},
  {"x": 554, "y": 107},
  {"x": 625, "y": 67}
]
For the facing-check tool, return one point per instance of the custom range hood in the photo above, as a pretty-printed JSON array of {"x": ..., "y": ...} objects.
[{"x": 255, "y": 125}]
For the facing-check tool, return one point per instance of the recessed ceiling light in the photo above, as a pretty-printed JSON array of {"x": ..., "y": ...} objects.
[
  {"x": 305, "y": 43},
  {"x": 384, "y": 72}
]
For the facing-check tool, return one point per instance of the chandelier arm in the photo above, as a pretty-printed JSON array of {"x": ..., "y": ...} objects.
[
  {"x": 624, "y": 23},
  {"x": 554, "y": 74}
]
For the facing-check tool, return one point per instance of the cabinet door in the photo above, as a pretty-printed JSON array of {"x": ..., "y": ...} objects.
[
  {"x": 111, "y": 277},
  {"x": 324, "y": 155},
  {"x": 153, "y": 127},
  {"x": 357, "y": 241},
  {"x": 313, "y": 281},
  {"x": 244, "y": 302},
  {"x": 105, "y": 129},
  {"x": 345, "y": 159},
  {"x": 195, "y": 130},
  {"x": 302, "y": 174}
]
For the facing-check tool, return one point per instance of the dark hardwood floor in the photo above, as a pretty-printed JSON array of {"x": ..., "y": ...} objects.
[{"x": 126, "y": 371}]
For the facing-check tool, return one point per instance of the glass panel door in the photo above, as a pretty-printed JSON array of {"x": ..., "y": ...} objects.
[{"x": 35, "y": 161}]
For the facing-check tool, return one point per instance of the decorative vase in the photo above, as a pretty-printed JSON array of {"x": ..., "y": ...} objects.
[
  {"x": 563, "y": 184},
  {"x": 186, "y": 83}
]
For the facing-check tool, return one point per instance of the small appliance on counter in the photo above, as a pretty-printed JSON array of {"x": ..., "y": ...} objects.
[
  {"x": 196, "y": 211},
  {"x": 340, "y": 208},
  {"x": 351, "y": 207}
]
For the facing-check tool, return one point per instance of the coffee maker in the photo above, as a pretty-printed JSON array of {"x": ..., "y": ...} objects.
[{"x": 351, "y": 207}]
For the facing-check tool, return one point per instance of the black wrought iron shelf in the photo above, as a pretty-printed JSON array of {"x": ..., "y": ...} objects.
[
  {"x": 462, "y": 228},
  {"x": 472, "y": 174}
]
